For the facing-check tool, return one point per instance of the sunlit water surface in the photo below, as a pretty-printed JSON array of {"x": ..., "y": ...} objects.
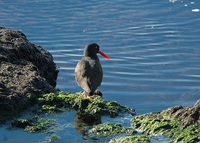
[{"x": 153, "y": 46}]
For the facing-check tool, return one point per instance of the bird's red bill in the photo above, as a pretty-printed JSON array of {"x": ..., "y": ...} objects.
[{"x": 104, "y": 55}]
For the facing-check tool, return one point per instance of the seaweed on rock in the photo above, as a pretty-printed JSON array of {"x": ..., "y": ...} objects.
[
  {"x": 96, "y": 106},
  {"x": 178, "y": 123}
]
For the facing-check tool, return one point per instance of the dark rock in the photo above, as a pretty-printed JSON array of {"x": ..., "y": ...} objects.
[
  {"x": 178, "y": 123},
  {"x": 25, "y": 68},
  {"x": 188, "y": 116},
  {"x": 197, "y": 105}
]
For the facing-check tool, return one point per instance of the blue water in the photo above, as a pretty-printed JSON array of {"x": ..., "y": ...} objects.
[{"x": 153, "y": 46}]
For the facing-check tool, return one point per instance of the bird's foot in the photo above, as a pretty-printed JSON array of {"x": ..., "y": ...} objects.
[{"x": 85, "y": 95}]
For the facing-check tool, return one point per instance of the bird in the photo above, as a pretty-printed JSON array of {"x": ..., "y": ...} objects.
[{"x": 88, "y": 71}]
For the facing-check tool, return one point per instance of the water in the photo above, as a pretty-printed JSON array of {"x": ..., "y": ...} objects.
[{"x": 153, "y": 46}]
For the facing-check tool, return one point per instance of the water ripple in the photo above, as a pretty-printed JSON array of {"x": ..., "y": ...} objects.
[{"x": 153, "y": 46}]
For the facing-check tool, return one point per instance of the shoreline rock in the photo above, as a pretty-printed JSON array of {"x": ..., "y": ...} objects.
[
  {"x": 87, "y": 120},
  {"x": 178, "y": 123},
  {"x": 58, "y": 100},
  {"x": 131, "y": 139},
  {"x": 25, "y": 68}
]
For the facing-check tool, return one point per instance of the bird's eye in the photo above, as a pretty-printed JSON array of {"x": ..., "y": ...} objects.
[{"x": 97, "y": 47}]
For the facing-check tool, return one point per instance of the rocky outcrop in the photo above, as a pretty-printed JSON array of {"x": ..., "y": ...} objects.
[
  {"x": 188, "y": 116},
  {"x": 83, "y": 105},
  {"x": 178, "y": 123},
  {"x": 87, "y": 120},
  {"x": 25, "y": 68}
]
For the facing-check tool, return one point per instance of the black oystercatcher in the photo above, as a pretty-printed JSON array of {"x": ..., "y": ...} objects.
[{"x": 88, "y": 72}]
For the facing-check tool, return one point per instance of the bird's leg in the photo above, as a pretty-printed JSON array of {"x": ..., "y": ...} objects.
[{"x": 84, "y": 94}]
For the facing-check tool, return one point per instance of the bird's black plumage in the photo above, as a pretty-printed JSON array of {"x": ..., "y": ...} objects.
[{"x": 88, "y": 72}]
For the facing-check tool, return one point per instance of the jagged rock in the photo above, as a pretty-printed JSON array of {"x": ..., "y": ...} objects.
[
  {"x": 188, "y": 116},
  {"x": 25, "y": 68},
  {"x": 178, "y": 123}
]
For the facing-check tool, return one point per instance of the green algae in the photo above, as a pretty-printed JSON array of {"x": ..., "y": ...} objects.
[
  {"x": 131, "y": 139},
  {"x": 88, "y": 114},
  {"x": 170, "y": 127},
  {"x": 52, "y": 108},
  {"x": 35, "y": 124},
  {"x": 98, "y": 106},
  {"x": 150, "y": 124},
  {"x": 59, "y": 101},
  {"x": 110, "y": 129},
  {"x": 94, "y": 106}
]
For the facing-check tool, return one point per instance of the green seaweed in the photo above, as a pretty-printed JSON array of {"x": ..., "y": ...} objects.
[
  {"x": 110, "y": 129},
  {"x": 94, "y": 106},
  {"x": 131, "y": 139},
  {"x": 89, "y": 112},
  {"x": 35, "y": 124},
  {"x": 52, "y": 108},
  {"x": 59, "y": 101},
  {"x": 171, "y": 127}
]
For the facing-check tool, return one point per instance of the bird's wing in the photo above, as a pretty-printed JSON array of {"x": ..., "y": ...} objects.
[
  {"x": 95, "y": 75},
  {"x": 89, "y": 74},
  {"x": 81, "y": 72}
]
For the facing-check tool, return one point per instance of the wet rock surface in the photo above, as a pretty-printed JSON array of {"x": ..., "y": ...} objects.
[
  {"x": 107, "y": 131},
  {"x": 131, "y": 139},
  {"x": 110, "y": 129},
  {"x": 35, "y": 124},
  {"x": 87, "y": 120},
  {"x": 178, "y": 123},
  {"x": 188, "y": 116},
  {"x": 25, "y": 68},
  {"x": 96, "y": 106}
]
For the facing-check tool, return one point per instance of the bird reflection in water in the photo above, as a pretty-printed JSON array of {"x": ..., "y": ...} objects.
[{"x": 82, "y": 121}]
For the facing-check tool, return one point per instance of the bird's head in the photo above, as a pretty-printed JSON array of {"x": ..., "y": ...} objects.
[{"x": 92, "y": 49}]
